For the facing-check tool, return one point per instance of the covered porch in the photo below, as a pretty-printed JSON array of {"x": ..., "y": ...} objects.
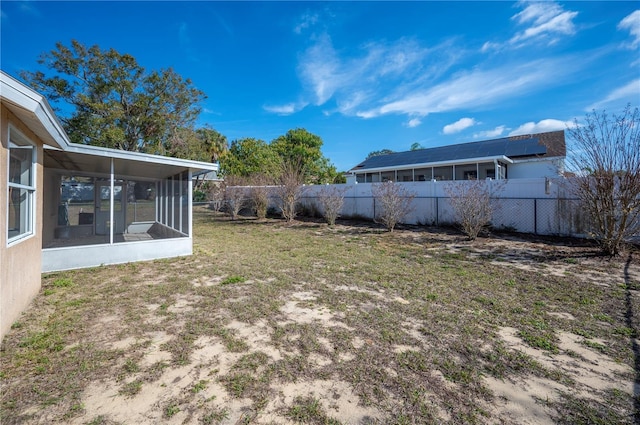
[
  {"x": 494, "y": 168},
  {"x": 103, "y": 206}
]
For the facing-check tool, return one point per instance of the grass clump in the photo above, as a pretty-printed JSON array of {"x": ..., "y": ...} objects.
[
  {"x": 308, "y": 410},
  {"x": 233, "y": 279}
]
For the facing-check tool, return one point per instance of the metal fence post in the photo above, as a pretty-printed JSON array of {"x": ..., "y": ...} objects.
[
  {"x": 535, "y": 216},
  {"x": 374, "y": 208}
]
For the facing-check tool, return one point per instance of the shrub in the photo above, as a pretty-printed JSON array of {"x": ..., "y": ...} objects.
[
  {"x": 259, "y": 194},
  {"x": 215, "y": 196},
  {"x": 234, "y": 196},
  {"x": 606, "y": 156},
  {"x": 289, "y": 191},
  {"x": 472, "y": 205},
  {"x": 395, "y": 203},
  {"x": 331, "y": 200}
]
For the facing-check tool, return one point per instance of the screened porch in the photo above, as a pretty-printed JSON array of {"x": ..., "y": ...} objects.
[{"x": 103, "y": 206}]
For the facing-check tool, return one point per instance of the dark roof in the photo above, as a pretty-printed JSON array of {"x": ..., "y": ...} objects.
[{"x": 539, "y": 145}]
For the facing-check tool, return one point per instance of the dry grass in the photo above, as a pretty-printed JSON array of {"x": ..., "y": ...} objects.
[{"x": 303, "y": 323}]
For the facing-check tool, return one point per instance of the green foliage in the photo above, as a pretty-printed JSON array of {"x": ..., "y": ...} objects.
[
  {"x": 539, "y": 340},
  {"x": 303, "y": 148},
  {"x": 250, "y": 156},
  {"x": 378, "y": 153},
  {"x": 63, "y": 283},
  {"x": 200, "y": 386},
  {"x": 171, "y": 409},
  {"x": 204, "y": 144},
  {"x": 199, "y": 196},
  {"x": 233, "y": 279},
  {"x": 298, "y": 146},
  {"x": 253, "y": 158},
  {"x": 117, "y": 103}
]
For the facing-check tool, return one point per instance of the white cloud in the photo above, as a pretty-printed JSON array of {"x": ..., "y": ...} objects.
[
  {"x": 489, "y": 45},
  {"x": 541, "y": 127},
  {"x": 306, "y": 21},
  {"x": 630, "y": 92},
  {"x": 286, "y": 109},
  {"x": 632, "y": 24},
  {"x": 320, "y": 69},
  {"x": 545, "y": 20},
  {"x": 358, "y": 80},
  {"x": 488, "y": 134},
  {"x": 459, "y": 125},
  {"x": 475, "y": 88},
  {"x": 414, "y": 122}
]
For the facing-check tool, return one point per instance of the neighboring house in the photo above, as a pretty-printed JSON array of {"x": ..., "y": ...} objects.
[
  {"x": 528, "y": 156},
  {"x": 66, "y": 206}
]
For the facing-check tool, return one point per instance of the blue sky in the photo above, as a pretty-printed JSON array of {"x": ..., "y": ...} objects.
[{"x": 363, "y": 76}]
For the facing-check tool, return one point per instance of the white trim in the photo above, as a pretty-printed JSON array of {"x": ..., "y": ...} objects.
[
  {"x": 190, "y": 202},
  {"x": 111, "y": 200},
  {"x": 32, "y": 189},
  {"x": 25, "y": 98},
  {"x": 545, "y": 159},
  {"x": 433, "y": 164}
]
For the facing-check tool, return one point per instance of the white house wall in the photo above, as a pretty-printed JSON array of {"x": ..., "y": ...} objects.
[{"x": 533, "y": 169}]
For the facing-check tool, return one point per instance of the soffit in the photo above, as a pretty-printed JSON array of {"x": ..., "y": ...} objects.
[{"x": 79, "y": 163}]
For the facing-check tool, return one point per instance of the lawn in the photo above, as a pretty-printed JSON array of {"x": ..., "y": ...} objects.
[{"x": 302, "y": 323}]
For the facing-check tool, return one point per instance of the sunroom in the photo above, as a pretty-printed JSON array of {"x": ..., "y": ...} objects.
[{"x": 103, "y": 206}]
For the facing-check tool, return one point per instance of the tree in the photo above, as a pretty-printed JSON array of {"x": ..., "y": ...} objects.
[
  {"x": 246, "y": 157},
  {"x": 471, "y": 203},
  {"x": 303, "y": 149},
  {"x": 326, "y": 173},
  {"x": 606, "y": 155},
  {"x": 117, "y": 104},
  {"x": 331, "y": 200},
  {"x": 203, "y": 144},
  {"x": 378, "y": 153},
  {"x": 394, "y": 203},
  {"x": 416, "y": 146},
  {"x": 298, "y": 146},
  {"x": 214, "y": 144}
]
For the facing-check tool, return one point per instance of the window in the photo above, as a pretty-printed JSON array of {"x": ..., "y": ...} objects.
[{"x": 21, "y": 188}]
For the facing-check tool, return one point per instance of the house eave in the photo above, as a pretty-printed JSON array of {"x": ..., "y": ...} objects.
[
  {"x": 34, "y": 109},
  {"x": 465, "y": 161},
  {"x": 543, "y": 159}
]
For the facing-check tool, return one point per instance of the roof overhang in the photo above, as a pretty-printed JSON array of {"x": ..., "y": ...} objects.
[
  {"x": 96, "y": 161},
  {"x": 465, "y": 161},
  {"x": 36, "y": 113},
  {"x": 33, "y": 110}
]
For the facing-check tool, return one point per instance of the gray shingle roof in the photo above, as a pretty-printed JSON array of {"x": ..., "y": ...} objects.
[{"x": 516, "y": 147}]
